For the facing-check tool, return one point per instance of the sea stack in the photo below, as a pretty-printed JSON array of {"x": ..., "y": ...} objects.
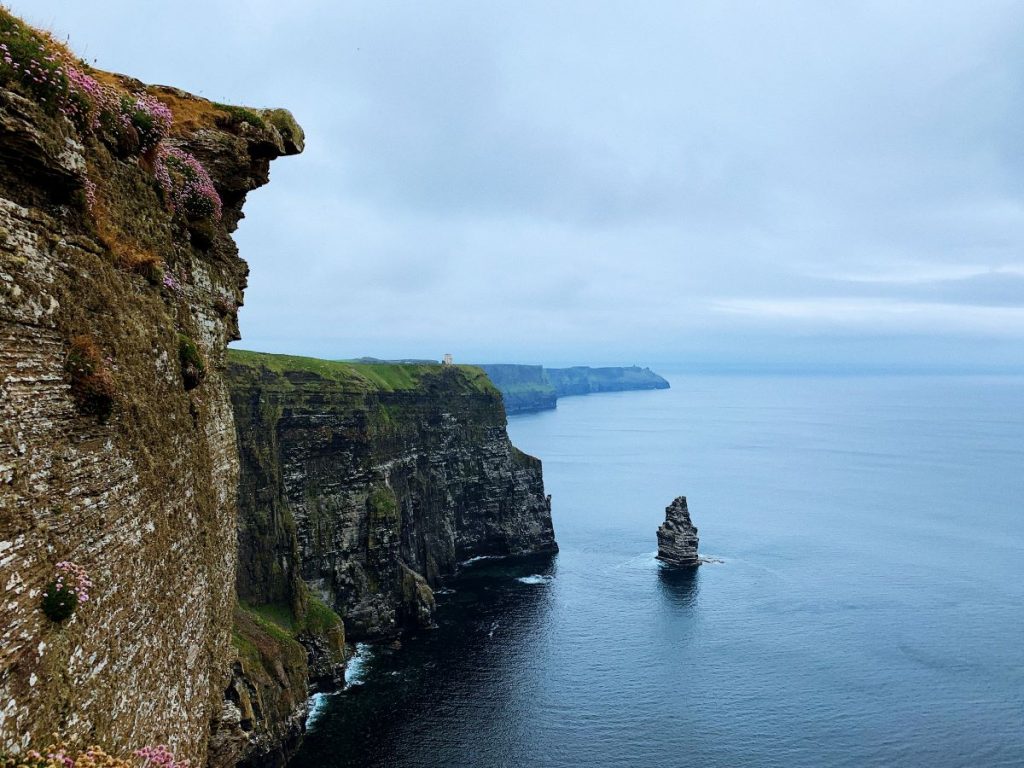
[{"x": 677, "y": 536}]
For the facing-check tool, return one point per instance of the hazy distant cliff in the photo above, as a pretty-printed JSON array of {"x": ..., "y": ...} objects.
[
  {"x": 535, "y": 388},
  {"x": 523, "y": 387}
]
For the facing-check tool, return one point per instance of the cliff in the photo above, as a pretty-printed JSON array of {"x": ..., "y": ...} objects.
[
  {"x": 528, "y": 388},
  {"x": 583, "y": 380},
  {"x": 119, "y": 285},
  {"x": 362, "y": 485},
  {"x": 371, "y": 482}
]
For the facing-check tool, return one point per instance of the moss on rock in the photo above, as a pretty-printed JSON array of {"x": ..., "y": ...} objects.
[
  {"x": 92, "y": 385},
  {"x": 291, "y": 132},
  {"x": 193, "y": 366}
]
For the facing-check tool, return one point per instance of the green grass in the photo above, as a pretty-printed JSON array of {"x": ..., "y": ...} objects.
[
  {"x": 246, "y": 648},
  {"x": 478, "y": 378},
  {"x": 319, "y": 617},
  {"x": 383, "y": 377},
  {"x": 236, "y": 115},
  {"x": 261, "y": 640},
  {"x": 383, "y": 504},
  {"x": 279, "y": 621},
  {"x": 278, "y": 614},
  {"x": 274, "y": 619}
]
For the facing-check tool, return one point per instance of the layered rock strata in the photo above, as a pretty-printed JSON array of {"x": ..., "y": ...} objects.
[
  {"x": 677, "y": 536},
  {"x": 370, "y": 483},
  {"x": 113, "y": 453}
]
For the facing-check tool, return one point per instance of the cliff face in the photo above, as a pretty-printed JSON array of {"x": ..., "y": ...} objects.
[
  {"x": 283, "y": 655},
  {"x": 371, "y": 482},
  {"x": 117, "y": 446},
  {"x": 527, "y": 388}
]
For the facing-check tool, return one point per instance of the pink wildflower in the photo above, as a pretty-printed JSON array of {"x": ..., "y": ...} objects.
[
  {"x": 152, "y": 118},
  {"x": 75, "y": 578},
  {"x": 159, "y": 757},
  {"x": 186, "y": 186},
  {"x": 171, "y": 283},
  {"x": 89, "y": 187},
  {"x": 86, "y": 99}
]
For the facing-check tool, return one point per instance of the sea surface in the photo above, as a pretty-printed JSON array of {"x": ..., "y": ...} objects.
[{"x": 868, "y": 609}]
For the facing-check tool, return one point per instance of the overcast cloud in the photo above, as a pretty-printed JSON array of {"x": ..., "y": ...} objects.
[{"x": 705, "y": 183}]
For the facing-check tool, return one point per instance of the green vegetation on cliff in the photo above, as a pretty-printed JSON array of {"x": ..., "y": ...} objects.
[
  {"x": 369, "y": 377},
  {"x": 369, "y": 481},
  {"x": 282, "y": 655}
]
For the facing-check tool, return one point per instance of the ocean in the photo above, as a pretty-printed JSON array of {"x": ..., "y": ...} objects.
[{"x": 868, "y": 609}]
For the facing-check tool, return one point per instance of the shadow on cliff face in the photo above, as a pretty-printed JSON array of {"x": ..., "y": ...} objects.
[
  {"x": 679, "y": 586},
  {"x": 489, "y": 619}
]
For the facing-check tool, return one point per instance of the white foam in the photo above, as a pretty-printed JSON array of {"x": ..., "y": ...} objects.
[
  {"x": 353, "y": 676},
  {"x": 535, "y": 579},
  {"x": 354, "y": 668},
  {"x": 317, "y": 705},
  {"x": 478, "y": 558},
  {"x": 646, "y": 560}
]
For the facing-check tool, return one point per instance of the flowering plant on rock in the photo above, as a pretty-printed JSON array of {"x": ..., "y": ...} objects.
[
  {"x": 186, "y": 186},
  {"x": 61, "y": 756},
  {"x": 69, "y": 588}
]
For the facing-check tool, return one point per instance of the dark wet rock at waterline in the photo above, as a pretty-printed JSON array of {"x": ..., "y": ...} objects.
[{"x": 677, "y": 536}]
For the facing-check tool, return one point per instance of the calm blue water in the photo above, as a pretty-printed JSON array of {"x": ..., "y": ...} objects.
[{"x": 869, "y": 610}]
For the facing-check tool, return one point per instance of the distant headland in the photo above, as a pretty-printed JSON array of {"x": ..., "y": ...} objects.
[{"x": 527, "y": 388}]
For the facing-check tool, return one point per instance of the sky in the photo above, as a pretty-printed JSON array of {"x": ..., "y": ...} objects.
[{"x": 706, "y": 184}]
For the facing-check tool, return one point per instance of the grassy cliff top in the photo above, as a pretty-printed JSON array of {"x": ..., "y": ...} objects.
[
  {"x": 383, "y": 377},
  {"x": 36, "y": 65}
]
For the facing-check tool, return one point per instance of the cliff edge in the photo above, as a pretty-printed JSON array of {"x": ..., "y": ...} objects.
[
  {"x": 371, "y": 482},
  {"x": 119, "y": 287},
  {"x": 362, "y": 485}
]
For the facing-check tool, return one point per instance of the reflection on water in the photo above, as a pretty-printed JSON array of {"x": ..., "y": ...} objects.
[{"x": 679, "y": 586}]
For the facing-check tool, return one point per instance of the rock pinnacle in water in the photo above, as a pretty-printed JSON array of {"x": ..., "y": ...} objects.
[{"x": 677, "y": 536}]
